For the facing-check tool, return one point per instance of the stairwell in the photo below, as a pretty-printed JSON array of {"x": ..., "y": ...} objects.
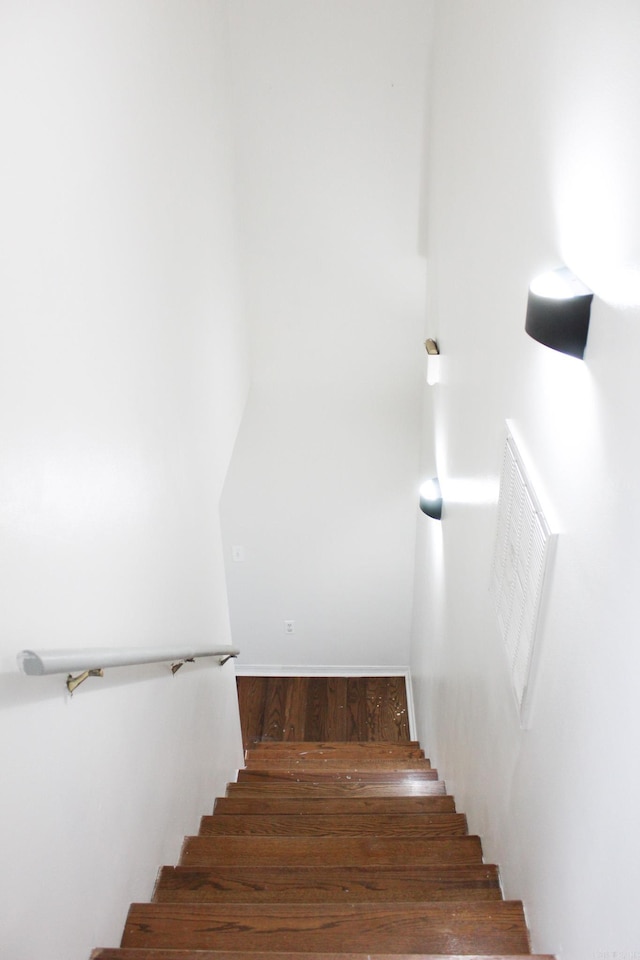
[{"x": 329, "y": 851}]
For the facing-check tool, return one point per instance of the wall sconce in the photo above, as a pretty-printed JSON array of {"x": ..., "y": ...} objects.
[
  {"x": 432, "y": 374},
  {"x": 558, "y": 310},
  {"x": 431, "y": 498}
]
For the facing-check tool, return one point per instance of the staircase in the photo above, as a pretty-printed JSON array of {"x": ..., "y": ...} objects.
[{"x": 329, "y": 851}]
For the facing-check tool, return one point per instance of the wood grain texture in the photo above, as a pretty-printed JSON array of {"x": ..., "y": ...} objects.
[
  {"x": 327, "y": 884},
  {"x": 447, "y": 928},
  {"x": 326, "y": 716},
  {"x": 328, "y": 852},
  {"x": 289, "y": 806},
  {"x": 274, "y": 721},
  {"x": 351, "y": 764},
  {"x": 252, "y": 695},
  {"x": 320, "y": 851},
  {"x": 401, "y": 825},
  {"x": 337, "y": 789},
  {"x": 322, "y": 749},
  {"x": 281, "y": 709},
  {"x": 344, "y": 749},
  {"x": 324, "y": 775},
  {"x": 124, "y": 953},
  {"x": 386, "y": 707},
  {"x": 356, "y": 707}
]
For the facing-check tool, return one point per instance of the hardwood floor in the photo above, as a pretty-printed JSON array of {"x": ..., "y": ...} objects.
[{"x": 323, "y": 708}]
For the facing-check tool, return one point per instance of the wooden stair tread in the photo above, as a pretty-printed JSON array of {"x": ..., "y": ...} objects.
[
  {"x": 337, "y": 745},
  {"x": 337, "y": 884},
  {"x": 350, "y": 765},
  {"x": 321, "y": 774},
  {"x": 340, "y": 851},
  {"x": 311, "y": 749},
  {"x": 326, "y": 825},
  {"x": 290, "y": 806},
  {"x": 133, "y": 953},
  {"x": 343, "y": 788},
  {"x": 493, "y": 926},
  {"x": 328, "y": 851}
]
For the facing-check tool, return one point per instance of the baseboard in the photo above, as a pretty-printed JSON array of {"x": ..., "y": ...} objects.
[
  {"x": 322, "y": 670},
  {"x": 319, "y": 670}
]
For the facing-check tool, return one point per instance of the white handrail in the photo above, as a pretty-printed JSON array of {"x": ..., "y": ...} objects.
[{"x": 39, "y": 663}]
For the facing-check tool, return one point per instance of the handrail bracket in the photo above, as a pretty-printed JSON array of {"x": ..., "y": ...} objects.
[
  {"x": 180, "y": 663},
  {"x": 223, "y": 660},
  {"x": 74, "y": 682}
]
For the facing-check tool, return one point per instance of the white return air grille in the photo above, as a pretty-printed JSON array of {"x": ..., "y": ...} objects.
[{"x": 523, "y": 549}]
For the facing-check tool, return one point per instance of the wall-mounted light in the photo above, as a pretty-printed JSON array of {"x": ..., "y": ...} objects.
[
  {"x": 558, "y": 310},
  {"x": 432, "y": 374},
  {"x": 431, "y": 498}
]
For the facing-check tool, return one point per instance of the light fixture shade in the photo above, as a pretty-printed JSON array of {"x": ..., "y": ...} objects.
[
  {"x": 558, "y": 311},
  {"x": 431, "y": 498}
]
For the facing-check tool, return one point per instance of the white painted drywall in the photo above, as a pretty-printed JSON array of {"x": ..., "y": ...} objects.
[
  {"x": 536, "y": 152},
  {"x": 122, "y": 382},
  {"x": 321, "y": 493}
]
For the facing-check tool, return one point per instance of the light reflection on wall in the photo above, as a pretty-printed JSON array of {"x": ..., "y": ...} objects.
[
  {"x": 594, "y": 170},
  {"x": 593, "y": 233},
  {"x": 469, "y": 490},
  {"x": 563, "y": 393},
  {"x": 561, "y": 426},
  {"x": 595, "y": 230},
  {"x": 435, "y": 585},
  {"x": 480, "y": 490}
]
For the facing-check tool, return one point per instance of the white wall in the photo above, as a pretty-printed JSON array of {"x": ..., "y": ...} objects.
[
  {"x": 536, "y": 149},
  {"x": 321, "y": 493},
  {"x": 122, "y": 382}
]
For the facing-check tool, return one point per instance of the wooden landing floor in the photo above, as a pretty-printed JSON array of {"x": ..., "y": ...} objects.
[{"x": 323, "y": 708}]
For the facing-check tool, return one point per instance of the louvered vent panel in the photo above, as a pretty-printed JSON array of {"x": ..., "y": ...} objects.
[{"x": 522, "y": 553}]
